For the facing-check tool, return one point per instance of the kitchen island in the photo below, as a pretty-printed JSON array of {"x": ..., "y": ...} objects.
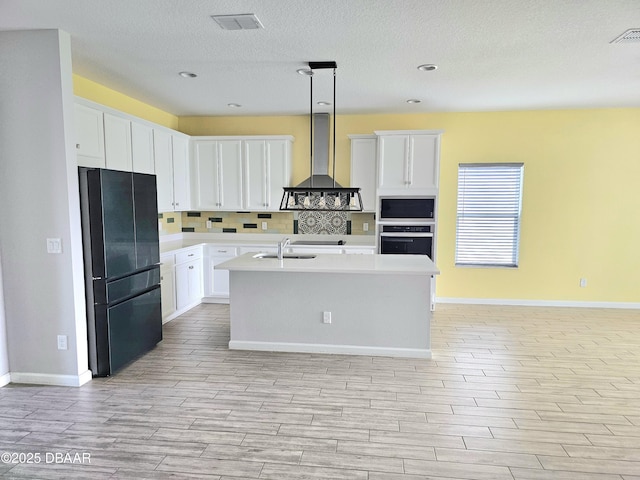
[{"x": 331, "y": 303}]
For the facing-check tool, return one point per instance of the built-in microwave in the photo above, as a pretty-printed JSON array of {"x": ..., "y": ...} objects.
[{"x": 407, "y": 209}]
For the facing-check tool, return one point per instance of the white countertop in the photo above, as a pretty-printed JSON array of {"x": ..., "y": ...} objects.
[{"x": 336, "y": 263}]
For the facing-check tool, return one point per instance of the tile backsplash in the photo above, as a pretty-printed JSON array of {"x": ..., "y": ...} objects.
[{"x": 247, "y": 222}]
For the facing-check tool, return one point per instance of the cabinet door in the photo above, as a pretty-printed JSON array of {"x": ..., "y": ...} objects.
[
  {"x": 89, "y": 136},
  {"x": 181, "y": 188},
  {"x": 278, "y": 171},
  {"x": 219, "y": 278},
  {"x": 142, "y": 148},
  {"x": 117, "y": 143},
  {"x": 393, "y": 151},
  {"x": 363, "y": 170},
  {"x": 255, "y": 175},
  {"x": 164, "y": 169},
  {"x": 167, "y": 290},
  {"x": 182, "y": 285},
  {"x": 194, "y": 279},
  {"x": 423, "y": 161},
  {"x": 230, "y": 175},
  {"x": 205, "y": 172}
]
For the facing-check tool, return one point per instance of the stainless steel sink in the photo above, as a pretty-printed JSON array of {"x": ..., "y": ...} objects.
[{"x": 299, "y": 256}]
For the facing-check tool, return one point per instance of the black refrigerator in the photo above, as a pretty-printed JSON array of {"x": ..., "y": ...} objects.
[{"x": 122, "y": 266}]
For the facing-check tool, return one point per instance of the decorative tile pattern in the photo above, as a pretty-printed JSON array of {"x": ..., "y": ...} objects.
[
  {"x": 242, "y": 222},
  {"x": 319, "y": 223}
]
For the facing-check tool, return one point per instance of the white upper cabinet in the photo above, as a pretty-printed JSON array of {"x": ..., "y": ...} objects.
[
  {"x": 180, "y": 157},
  {"x": 172, "y": 171},
  {"x": 217, "y": 174},
  {"x": 142, "y": 148},
  {"x": 363, "y": 168},
  {"x": 162, "y": 150},
  {"x": 89, "y": 136},
  {"x": 408, "y": 162},
  {"x": 229, "y": 175},
  {"x": 239, "y": 173},
  {"x": 117, "y": 142},
  {"x": 266, "y": 171}
]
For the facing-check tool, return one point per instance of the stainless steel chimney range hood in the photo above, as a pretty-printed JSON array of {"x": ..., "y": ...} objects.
[{"x": 321, "y": 192}]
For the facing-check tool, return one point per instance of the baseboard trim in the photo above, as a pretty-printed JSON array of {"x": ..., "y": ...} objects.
[
  {"x": 539, "y": 303},
  {"x": 177, "y": 313},
  {"x": 51, "y": 379},
  {"x": 223, "y": 300},
  {"x": 331, "y": 349},
  {"x": 5, "y": 379}
]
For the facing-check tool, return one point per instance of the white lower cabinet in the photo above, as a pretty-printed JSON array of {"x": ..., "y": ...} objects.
[
  {"x": 188, "y": 277},
  {"x": 180, "y": 281},
  {"x": 167, "y": 286},
  {"x": 196, "y": 278},
  {"x": 217, "y": 281}
]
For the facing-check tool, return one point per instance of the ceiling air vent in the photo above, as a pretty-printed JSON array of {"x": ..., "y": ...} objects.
[
  {"x": 630, "y": 36},
  {"x": 243, "y": 21}
]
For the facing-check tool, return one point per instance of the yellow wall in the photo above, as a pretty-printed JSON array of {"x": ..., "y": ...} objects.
[
  {"x": 95, "y": 92},
  {"x": 581, "y": 206}
]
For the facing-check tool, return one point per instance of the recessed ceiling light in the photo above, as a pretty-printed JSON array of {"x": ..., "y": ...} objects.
[
  {"x": 234, "y": 105},
  {"x": 187, "y": 74},
  {"x": 427, "y": 67},
  {"x": 414, "y": 100},
  {"x": 305, "y": 71},
  {"x": 324, "y": 104}
]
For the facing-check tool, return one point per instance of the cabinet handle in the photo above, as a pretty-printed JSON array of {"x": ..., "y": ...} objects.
[
  {"x": 161, "y": 278},
  {"x": 190, "y": 267},
  {"x": 191, "y": 255},
  {"x": 78, "y": 146},
  {"x": 222, "y": 251}
]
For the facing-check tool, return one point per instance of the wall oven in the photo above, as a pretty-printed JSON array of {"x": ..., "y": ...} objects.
[{"x": 403, "y": 239}]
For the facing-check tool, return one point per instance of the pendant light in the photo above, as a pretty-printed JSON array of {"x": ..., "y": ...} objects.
[{"x": 316, "y": 193}]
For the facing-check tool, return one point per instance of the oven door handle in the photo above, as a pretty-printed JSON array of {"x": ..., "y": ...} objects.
[{"x": 405, "y": 235}]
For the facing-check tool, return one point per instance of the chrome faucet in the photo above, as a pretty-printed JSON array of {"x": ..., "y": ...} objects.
[{"x": 281, "y": 246}]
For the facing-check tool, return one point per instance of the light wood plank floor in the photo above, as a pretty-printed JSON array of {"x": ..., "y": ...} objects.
[{"x": 511, "y": 393}]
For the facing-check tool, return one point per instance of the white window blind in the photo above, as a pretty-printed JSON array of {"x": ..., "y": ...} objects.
[{"x": 488, "y": 217}]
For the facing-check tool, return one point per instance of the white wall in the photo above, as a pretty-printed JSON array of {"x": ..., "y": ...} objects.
[
  {"x": 43, "y": 293},
  {"x": 4, "y": 355}
]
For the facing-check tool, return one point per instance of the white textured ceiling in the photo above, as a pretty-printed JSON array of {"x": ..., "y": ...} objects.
[{"x": 492, "y": 54}]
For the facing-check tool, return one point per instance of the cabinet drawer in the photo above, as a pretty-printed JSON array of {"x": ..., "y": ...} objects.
[
  {"x": 222, "y": 251},
  {"x": 188, "y": 255}
]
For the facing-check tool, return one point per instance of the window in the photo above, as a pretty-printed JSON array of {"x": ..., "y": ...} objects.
[{"x": 488, "y": 217}]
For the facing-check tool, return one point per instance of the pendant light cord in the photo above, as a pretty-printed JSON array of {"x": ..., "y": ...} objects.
[
  {"x": 311, "y": 130},
  {"x": 334, "y": 128}
]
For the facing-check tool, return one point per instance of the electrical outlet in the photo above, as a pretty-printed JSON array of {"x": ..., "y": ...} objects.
[
  {"x": 583, "y": 282},
  {"x": 264, "y": 225},
  {"x": 365, "y": 227},
  {"x": 208, "y": 223},
  {"x": 62, "y": 342},
  {"x": 54, "y": 245},
  {"x": 326, "y": 317}
]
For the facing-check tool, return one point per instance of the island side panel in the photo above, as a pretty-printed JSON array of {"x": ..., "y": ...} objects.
[{"x": 370, "y": 314}]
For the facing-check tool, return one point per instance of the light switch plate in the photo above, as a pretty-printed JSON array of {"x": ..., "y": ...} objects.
[{"x": 54, "y": 245}]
